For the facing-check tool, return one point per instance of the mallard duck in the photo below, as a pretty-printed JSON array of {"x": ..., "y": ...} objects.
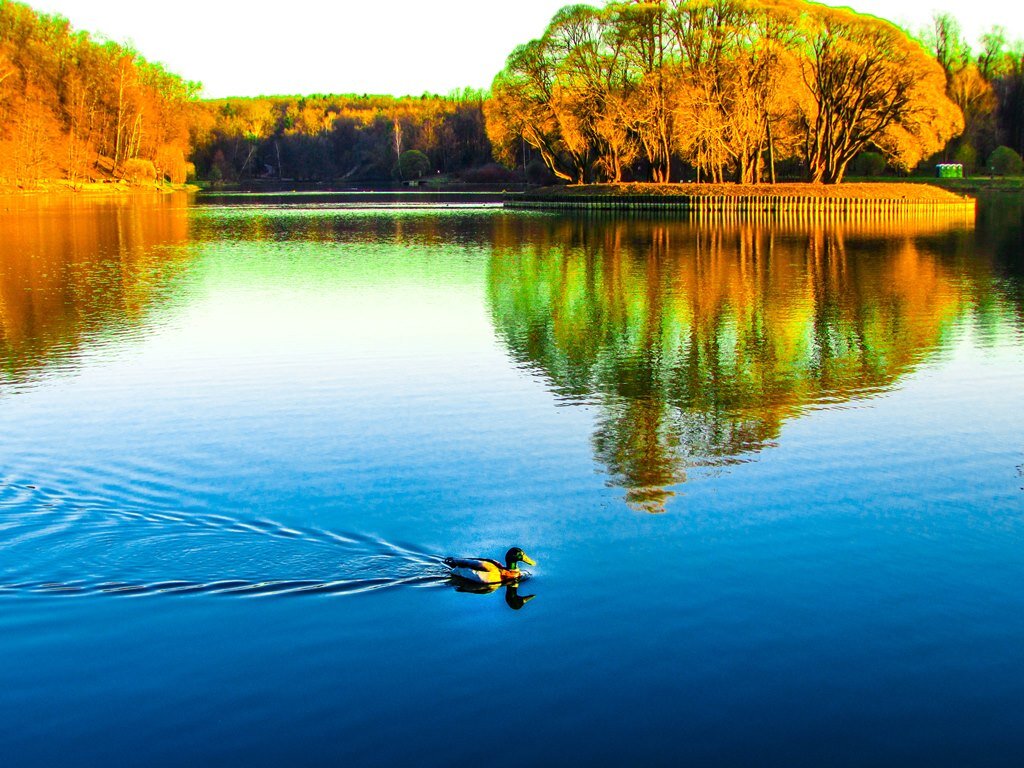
[{"x": 479, "y": 570}]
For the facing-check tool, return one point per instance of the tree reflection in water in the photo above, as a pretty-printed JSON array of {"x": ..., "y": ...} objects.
[
  {"x": 698, "y": 340},
  {"x": 73, "y": 269}
]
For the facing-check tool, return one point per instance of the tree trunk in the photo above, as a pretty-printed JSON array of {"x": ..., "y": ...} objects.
[{"x": 120, "y": 119}]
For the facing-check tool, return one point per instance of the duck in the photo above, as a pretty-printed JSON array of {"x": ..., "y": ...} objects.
[{"x": 481, "y": 570}]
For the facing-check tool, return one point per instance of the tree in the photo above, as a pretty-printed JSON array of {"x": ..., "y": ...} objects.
[
  {"x": 977, "y": 102},
  {"x": 870, "y": 85},
  {"x": 590, "y": 90},
  {"x": 945, "y": 42},
  {"x": 413, "y": 164},
  {"x": 523, "y": 107},
  {"x": 1006, "y": 162},
  {"x": 641, "y": 29},
  {"x": 1008, "y": 86},
  {"x": 992, "y": 58},
  {"x": 336, "y": 137},
  {"x": 967, "y": 156}
]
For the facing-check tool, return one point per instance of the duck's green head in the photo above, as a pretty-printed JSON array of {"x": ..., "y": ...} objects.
[{"x": 514, "y": 557}]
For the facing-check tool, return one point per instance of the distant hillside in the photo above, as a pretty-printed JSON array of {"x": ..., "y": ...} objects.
[
  {"x": 340, "y": 137},
  {"x": 76, "y": 109}
]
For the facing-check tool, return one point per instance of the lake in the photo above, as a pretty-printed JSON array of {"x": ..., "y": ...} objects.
[{"x": 772, "y": 474}]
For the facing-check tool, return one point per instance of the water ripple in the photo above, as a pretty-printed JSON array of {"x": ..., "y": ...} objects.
[
  {"x": 54, "y": 545},
  {"x": 233, "y": 587}
]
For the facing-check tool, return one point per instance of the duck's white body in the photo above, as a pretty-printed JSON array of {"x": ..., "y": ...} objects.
[{"x": 481, "y": 570}]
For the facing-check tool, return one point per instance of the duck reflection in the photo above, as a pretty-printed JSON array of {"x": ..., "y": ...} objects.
[
  {"x": 513, "y": 599},
  {"x": 698, "y": 341}
]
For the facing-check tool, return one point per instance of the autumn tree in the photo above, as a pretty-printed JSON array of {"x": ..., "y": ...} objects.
[
  {"x": 977, "y": 101},
  {"x": 641, "y": 28},
  {"x": 870, "y": 86},
  {"x": 738, "y": 72},
  {"x": 523, "y": 107},
  {"x": 592, "y": 102}
]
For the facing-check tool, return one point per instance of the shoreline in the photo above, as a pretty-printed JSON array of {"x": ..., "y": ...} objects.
[
  {"x": 881, "y": 190},
  {"x": 854, "y": 199},
  {"x": 90, "y": 189}
]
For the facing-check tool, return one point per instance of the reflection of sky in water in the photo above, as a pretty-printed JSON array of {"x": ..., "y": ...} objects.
[{"x": 355, "y": 383}]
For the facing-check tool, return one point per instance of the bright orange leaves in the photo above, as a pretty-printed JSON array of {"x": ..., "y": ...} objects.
[{"x": 730, "y": 87}]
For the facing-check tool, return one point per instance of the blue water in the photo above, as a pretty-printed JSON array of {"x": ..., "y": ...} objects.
[{"x": 772, "y": 474}]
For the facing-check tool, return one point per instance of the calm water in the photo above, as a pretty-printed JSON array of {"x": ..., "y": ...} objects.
[{"x": 773, "y": 476}]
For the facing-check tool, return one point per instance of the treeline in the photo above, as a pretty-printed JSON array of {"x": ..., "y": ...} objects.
[
  {"x": 334, "y": 138},
  {"x": 79, "y": 109},
  {"x": 719, "y": 89},
  {"x": 988, "y": 87},
  {"x": 662, "y": 90}
]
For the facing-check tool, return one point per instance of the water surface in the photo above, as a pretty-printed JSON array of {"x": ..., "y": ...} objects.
[{"x": 771, "y": 471}]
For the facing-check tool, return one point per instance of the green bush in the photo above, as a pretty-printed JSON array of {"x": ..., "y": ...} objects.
[
  {"x": 413, "y": 164},
  {"x": 967, "y": 156},
  {"x": 1004, "y": 161}
]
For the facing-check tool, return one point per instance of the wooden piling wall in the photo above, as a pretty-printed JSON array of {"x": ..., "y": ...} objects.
[{"x": 752, "y": 206}]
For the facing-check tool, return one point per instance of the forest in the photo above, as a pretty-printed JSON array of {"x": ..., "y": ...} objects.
[
  {"x": 671, "y": 90},
  {"x": 78, "y": 109},
  {"x": 343, "y": 138}
]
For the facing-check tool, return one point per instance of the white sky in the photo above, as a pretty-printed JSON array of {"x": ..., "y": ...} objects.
[{"x": 367, "y": 46}]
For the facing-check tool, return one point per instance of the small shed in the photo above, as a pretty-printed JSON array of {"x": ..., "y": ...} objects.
[{"x": 949, "y": 170}]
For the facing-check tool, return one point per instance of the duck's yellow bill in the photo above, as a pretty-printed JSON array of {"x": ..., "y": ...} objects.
[{"x": 528, "y": 561}]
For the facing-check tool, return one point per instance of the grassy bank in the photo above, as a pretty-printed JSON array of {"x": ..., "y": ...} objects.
[
  {"x": 978, "y": 184},
  {"x": 923, "y": 192}
]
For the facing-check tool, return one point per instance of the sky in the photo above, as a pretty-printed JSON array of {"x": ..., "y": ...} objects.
[{"x": 401, "y": 47}]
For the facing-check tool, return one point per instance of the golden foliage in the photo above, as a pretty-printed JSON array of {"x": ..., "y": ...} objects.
[
  {"x": 728, "y": 86},
  {"x": 75, "y": 108},
  {"x": 871, "y": 85}
]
